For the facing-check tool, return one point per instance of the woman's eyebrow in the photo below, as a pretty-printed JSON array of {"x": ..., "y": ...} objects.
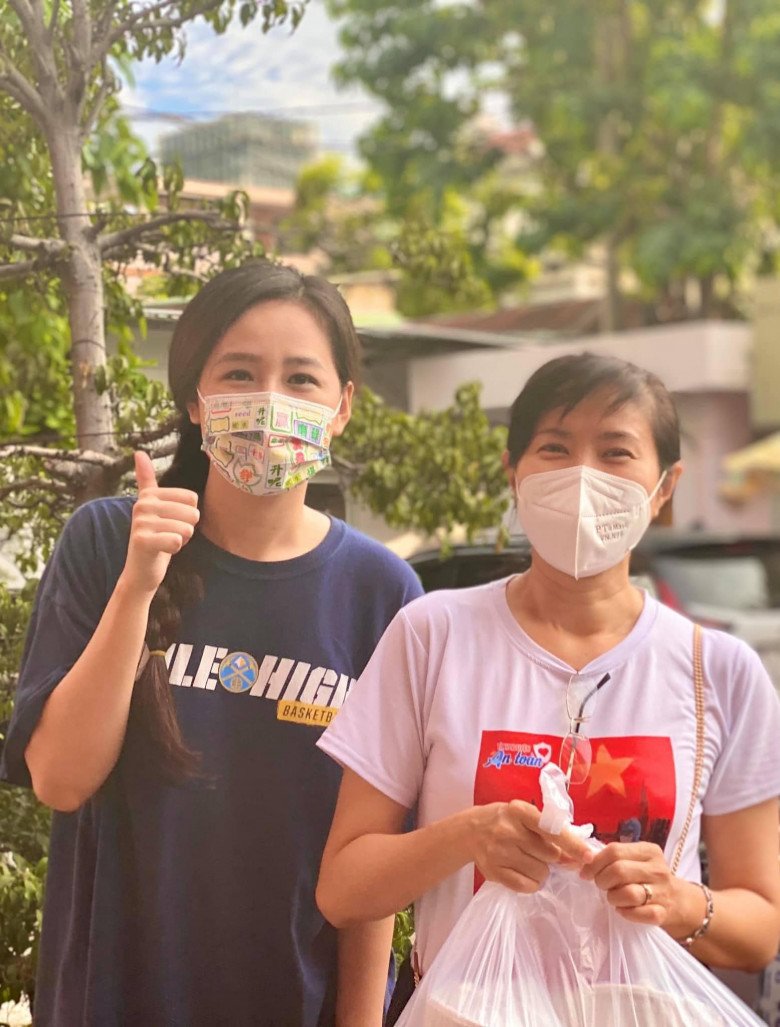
[
  {"x": 238, "y": 358},
  {"x": 559, "y": 433},
  {"x": 606, "y": 436},
  {"x": 617, "y": 436},
  {"x": 303, "y": 362}
]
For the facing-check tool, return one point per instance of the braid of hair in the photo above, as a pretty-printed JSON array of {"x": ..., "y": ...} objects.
[{"x": 154, "y": 740}]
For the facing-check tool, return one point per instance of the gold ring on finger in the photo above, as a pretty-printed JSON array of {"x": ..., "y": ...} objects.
[{"x": 648, "y": 894}]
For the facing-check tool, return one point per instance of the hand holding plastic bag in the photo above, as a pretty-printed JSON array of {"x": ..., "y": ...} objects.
[{"x": 562, "y": 957}]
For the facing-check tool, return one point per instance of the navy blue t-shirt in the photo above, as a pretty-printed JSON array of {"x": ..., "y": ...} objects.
[{"x": 194, "y": 904}]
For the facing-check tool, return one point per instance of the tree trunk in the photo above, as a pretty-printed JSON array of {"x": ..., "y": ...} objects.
[
  {"x": 612, "y": 52},
  {"x": 707, "y": 303},
  {"x": 611, "y": 319},
  {"x": 83, "y": 283}
]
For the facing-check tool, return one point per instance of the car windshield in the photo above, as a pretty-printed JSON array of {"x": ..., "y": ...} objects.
[{"x": 733, "y": 580}]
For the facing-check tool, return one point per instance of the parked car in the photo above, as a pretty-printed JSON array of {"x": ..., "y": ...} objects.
[{"x": 728, "y": 582}]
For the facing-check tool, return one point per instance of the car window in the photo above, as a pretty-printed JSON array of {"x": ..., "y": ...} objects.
[
  {"x": 734, "y": 582},
  {"x": 479, "y": 570},
  {"x": 463, "y": 569}
]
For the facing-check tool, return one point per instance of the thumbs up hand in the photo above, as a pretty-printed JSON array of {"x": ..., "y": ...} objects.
[{"x": 163, "y": 522}]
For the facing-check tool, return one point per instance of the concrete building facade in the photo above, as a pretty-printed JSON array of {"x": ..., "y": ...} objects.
[{"x": 244, "y": 149}]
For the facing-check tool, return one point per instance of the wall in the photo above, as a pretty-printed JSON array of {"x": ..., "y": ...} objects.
[
  {"x": 766, "y": 354},
  {"x": 691, "y": 357},
  {"x": 714, "y": 424}
]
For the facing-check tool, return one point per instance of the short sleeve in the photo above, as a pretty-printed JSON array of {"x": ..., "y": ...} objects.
[
  {"x": 747, "y": 769},
  {"x": 69, "y": 603},
  {"x": 412, "y": 586},
  {"x": 379, "y": 731}
]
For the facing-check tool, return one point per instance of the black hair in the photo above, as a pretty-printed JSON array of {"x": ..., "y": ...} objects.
[{"x": 564, "y": 382}]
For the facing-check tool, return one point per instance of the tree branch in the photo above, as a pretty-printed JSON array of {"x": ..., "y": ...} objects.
[
  {"x": 55, "y": 13},
  {"x": 127, "y": 236},
  {"x": 42, "y": 54},
  {"x": 107, "y": 86},
  {"x": 18, "y": 270},
  {"x": 81, "y": 64},
  {"x": 146, "y": 438},
  {"x": 165, "y": 447},
  {"x": 82, "y": 30},
  {"x": 29, "y": 244},
  {"x": 147, "y": 17},
  {"x": 66, "y": 456},
  {"x": 150, "y": 253},
  {"x": 34, "y": 484},
  {"x": 20, "y": 88},
  {"x": 24, "y": 12}
]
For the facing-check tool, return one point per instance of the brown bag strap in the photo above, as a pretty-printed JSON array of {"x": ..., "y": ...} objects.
[{"x": 698, "y": 767}]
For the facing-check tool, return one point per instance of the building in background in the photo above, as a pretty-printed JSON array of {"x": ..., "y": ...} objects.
[{"x": 243, "y": 149}]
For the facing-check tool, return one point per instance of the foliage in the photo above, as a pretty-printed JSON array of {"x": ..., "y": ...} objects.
[
  {"x": 403, "y": 933},
  {"x": 34, "y": 371},
  {"x": 24, "y": 828},
  {"x": 24, "y": 824},
  {"x": 657, "y": 120},
  {"x": 444, "y": 264},
  {"x": 438, "y": 271},
  {"x": 337, "y": 213},
  {"x": 21, "y": 898},
  {"x": 432, "y": 472},
  {"x": 39, "y": 486}
]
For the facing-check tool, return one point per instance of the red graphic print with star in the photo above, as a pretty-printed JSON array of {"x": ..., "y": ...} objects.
[{"x": 628, "y": 794}]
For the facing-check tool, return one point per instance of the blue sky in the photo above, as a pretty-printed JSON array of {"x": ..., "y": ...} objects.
[{"x": 245, "y": 70}]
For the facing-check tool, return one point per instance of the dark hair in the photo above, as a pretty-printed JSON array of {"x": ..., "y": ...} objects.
[
  {"x": 153, "y": 730},
  {"x": 566, "y": 381}
]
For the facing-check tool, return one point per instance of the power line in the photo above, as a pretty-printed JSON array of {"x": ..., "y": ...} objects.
[
  {"x": 76, "y": 214},
  {"x": 113, "y": 216}
]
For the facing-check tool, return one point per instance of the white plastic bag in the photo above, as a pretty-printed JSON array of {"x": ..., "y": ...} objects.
[{"x": 563, "y": 957}]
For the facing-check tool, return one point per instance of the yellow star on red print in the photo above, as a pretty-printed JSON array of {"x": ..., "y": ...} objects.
[{"x": 607, "y": 772}]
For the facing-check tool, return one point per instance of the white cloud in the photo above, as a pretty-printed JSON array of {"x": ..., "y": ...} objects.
[{"x": 246, "y": 70}]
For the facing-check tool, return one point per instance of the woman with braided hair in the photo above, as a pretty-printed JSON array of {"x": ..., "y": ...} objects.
[{"x": 192, "y": 802}]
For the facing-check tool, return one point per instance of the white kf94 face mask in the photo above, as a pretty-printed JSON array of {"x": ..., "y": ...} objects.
[{"x": 583, "y": 521}]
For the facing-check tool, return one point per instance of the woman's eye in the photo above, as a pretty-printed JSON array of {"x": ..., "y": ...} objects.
[
  {"x": 301, "y": 378},
  {"x": 617, "y": 454},
  {"x": 552, "y": 447},
  {"x": 238, "y": 375}
]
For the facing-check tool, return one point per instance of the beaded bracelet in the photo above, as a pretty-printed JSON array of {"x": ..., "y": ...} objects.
[{"x": 704, "y": 925}]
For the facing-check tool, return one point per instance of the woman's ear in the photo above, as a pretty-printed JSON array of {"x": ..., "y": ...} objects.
[
  {"x": 193, "y": 409},
  {"x": 341, "y": 420},
  {"x": 668, "y": 485}
]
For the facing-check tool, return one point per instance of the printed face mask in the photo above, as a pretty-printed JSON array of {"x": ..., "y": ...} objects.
[
  {"x": 582, "y": 521},
  {"x": 264, "y": 442}
]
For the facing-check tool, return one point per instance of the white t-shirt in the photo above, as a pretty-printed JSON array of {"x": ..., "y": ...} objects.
[{"x": 459, "y": 706}]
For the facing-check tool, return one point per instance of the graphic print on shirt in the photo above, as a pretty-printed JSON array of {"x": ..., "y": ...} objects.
[
  {"x": 629, "y": 794},
  {"x": 304, "y": 694}
]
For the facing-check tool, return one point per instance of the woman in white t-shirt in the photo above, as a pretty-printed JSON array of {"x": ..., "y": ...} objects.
[{"x": 471, "y": 692}]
